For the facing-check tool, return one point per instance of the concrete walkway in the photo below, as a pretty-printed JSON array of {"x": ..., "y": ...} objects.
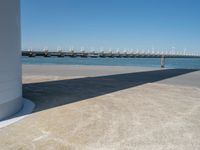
[{"x": 108, "y": 108}]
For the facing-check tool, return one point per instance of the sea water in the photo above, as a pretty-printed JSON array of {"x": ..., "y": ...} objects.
[{"x": 187, "y": 63}]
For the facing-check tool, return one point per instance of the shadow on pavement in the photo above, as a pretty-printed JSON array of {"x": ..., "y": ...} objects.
[{"x": 51, "y": 94}]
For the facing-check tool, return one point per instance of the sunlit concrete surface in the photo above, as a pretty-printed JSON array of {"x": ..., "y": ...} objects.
[{"x": 115, "y": 108}]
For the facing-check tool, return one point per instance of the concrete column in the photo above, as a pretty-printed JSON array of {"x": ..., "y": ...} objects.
[{"x": 10, "y": 63}]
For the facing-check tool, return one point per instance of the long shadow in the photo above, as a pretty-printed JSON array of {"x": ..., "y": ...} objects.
[{"x": 56, "y": 93}]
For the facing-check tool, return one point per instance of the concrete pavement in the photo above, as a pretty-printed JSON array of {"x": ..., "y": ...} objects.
[{"x": 138, "y": 108}]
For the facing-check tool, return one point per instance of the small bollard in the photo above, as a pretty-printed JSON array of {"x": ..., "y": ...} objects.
[{"x": 162, "y": 62}]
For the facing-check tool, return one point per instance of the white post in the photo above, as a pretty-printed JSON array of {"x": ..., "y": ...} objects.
[
  {"x": 162, "y": 61},
  {"x": 10, "y": 63}
]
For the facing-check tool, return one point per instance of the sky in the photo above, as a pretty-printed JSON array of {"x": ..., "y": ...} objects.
[{"x": 111, "y": 24}]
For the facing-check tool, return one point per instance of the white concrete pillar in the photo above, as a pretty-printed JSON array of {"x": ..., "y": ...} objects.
[{"x": 10, "y": 63}]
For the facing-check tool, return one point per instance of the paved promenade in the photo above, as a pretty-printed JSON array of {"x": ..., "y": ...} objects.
[{"x": 107, "y": 108}]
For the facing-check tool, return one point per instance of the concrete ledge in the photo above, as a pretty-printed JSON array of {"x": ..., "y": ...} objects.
[{"x": 27, "y": 108}]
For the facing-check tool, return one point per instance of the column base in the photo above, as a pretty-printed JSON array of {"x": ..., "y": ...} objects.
[
  {"x": 24, "y": 107},
  {"x": 10, "y": 107}
]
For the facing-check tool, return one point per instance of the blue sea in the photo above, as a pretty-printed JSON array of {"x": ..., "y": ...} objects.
[{"x": 186, "y": 63}]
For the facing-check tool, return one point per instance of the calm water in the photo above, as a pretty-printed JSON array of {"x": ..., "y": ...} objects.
[{"x": 140, "y": 62}]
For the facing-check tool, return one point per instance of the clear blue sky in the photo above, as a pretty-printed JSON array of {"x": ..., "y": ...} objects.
[{"x": 137, "y": 24}]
